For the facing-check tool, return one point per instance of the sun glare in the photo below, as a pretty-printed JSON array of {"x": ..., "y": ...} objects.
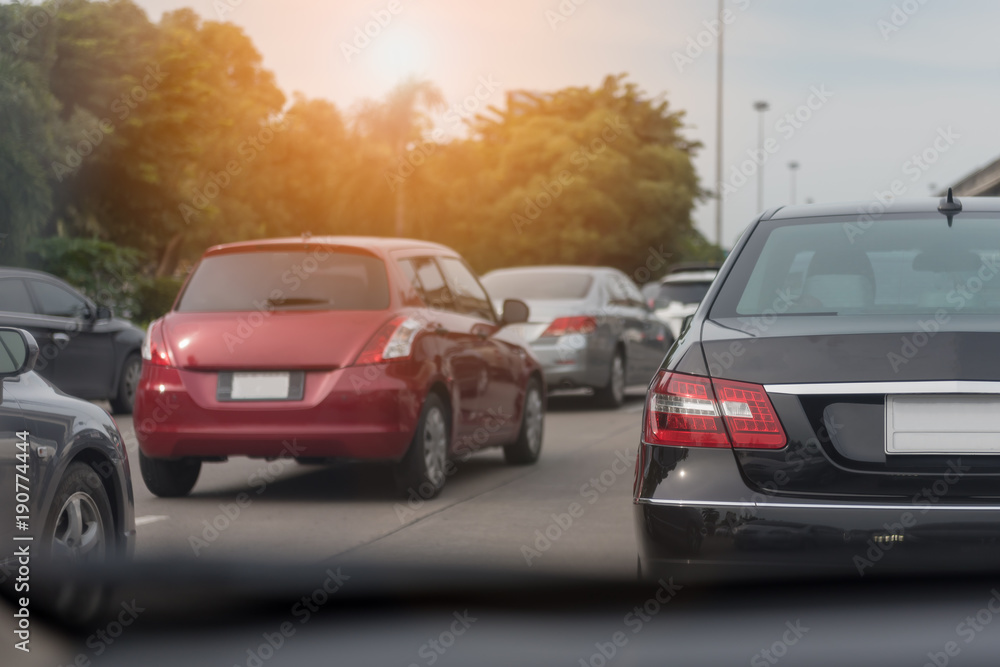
[{"x": 400, "y": 52}]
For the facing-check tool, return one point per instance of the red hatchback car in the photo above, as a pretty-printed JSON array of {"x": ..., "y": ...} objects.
[{"x": 336, "y": 348}]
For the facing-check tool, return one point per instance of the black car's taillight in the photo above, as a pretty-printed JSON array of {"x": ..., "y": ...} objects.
[{"x": 693, "y": 411}]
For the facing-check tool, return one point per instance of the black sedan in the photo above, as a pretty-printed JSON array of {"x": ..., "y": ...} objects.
[
  {"x": 64, "y": 474},
  {"x": 834, "y": 405},
  {"x": 84, "y": 349}
]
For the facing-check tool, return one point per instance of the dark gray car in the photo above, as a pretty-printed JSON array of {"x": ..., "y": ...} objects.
[
  {"x": 589, "y": 327},
  {"x": 84, "y": 350},
  {"x": 67, "y": 490}
]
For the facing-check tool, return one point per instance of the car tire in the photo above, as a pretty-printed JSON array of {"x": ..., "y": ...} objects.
[
  {"x": 423, "y": 470},
  {"x": 526, "y": 449},
  {"x": 612, "y": 395},
  {"x": 123, "y": 401},
  {"x": 169, "y": 479},
  {"x": 79, "y": 530}
]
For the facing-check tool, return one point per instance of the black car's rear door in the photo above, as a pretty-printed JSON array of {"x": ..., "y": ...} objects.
[{"x": 86, "y": 360}]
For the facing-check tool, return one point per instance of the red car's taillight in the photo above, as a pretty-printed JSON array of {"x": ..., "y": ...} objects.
[
  {"x": 393, "y": 341},
  {"x": 561, "y": 326},
  {"x": 154, "y": 347},
  {"x": 692, "y": 411}
]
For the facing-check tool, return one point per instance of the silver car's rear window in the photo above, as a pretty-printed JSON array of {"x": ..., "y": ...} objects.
[
  {"x": 846, "y": 265},
  {"x": 541, "y": 285},
  {"x": 286, "y": 280}
]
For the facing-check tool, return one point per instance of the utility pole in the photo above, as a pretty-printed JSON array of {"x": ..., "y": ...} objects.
[
  {"x": 760, "y": 107},
  {"x": 718, "y": 136}
]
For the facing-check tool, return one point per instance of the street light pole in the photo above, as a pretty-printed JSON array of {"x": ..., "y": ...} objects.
[
  {"x": 760, "y": 107},
  {"x": 718, "y": 136},
  {"x": 793, "y": 167}
]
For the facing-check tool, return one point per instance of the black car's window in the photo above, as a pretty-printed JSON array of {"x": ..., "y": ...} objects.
[
  {"x": 14, "y": 296},
  {"x": 470, "y": 298},
  {"x": 890, "y": 266},
  {"x": 538, "y": 285},
  {"x": 681, "y": 293},
  {"x": 56, "y": 301},
  {"x": 427, "y": 279},
  {"x": 287, "y": 280}
]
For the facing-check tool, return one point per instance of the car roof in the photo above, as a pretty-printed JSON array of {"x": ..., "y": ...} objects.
[
  {"x": 690, "y": 277},
  {"x": 13, "y": 271},
  {"x": 555, "y": 268},
  {"x": 382, "y": 244},
  {"x": 874, "y": 207}
]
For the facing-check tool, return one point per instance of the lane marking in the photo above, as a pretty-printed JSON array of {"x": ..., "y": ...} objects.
[{"x": 146, "y": 520}]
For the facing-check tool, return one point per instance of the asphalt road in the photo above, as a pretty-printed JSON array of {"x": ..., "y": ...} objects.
[{"x": 571, "y": 511}]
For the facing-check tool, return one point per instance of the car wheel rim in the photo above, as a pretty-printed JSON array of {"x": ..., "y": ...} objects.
[
  {"x": 435, "y": 446},
  {"x": 131, "y": 380},
  {"x": 618, "y": 378},
  {"x": 533, "y": 419},
  {"x": 79, "y": 532}
]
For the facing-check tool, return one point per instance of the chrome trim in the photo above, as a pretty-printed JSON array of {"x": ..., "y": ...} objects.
[
  {"x": 824, "y": 506},
  {"x": 924, "y": 387}
]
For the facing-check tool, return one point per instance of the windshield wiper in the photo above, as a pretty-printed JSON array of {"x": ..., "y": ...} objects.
[{"x": 278, "y": 303}]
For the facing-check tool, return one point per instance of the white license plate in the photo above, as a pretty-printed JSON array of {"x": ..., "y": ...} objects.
[
  {"x": 942, "y": 424},
  {"x": 260, "y": 386}
]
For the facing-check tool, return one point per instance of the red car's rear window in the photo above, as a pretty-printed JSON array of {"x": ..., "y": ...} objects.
[{"x": 317, "y": 279}]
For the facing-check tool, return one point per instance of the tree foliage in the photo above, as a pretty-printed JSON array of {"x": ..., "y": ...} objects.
[{"x": 167, "y": 137}]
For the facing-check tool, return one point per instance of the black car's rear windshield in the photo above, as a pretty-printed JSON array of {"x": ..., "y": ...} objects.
[
  {"x": 319, "y": 279},
  {"x": 538, "y": 285},
  {"x": 864, "y": 266},
  {"x": 692, "y": 292}
]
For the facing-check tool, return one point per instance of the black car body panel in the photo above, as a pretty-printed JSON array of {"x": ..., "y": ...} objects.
[
  {"x": 80, "y": 353},
  {"x": 61, "y": 430},
  {"x": 834, "y": 495}
]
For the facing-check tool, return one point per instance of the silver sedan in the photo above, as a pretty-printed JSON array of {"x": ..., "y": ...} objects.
[{"x": 589, "y": 327}]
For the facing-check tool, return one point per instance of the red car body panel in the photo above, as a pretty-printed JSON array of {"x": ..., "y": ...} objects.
[{"x": 363, "y": 412}]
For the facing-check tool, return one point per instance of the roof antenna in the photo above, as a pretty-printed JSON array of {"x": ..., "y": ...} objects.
[{"x": 950, "y": 206}]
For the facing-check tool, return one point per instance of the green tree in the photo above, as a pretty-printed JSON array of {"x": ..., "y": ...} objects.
[
  {"x": 589, "y": 176},
  {"x": 26, "y": 110},
  {"x": 395, "y": 125}
]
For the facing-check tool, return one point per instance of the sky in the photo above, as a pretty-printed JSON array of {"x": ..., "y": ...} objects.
[{"x": 861, "y": 93}]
